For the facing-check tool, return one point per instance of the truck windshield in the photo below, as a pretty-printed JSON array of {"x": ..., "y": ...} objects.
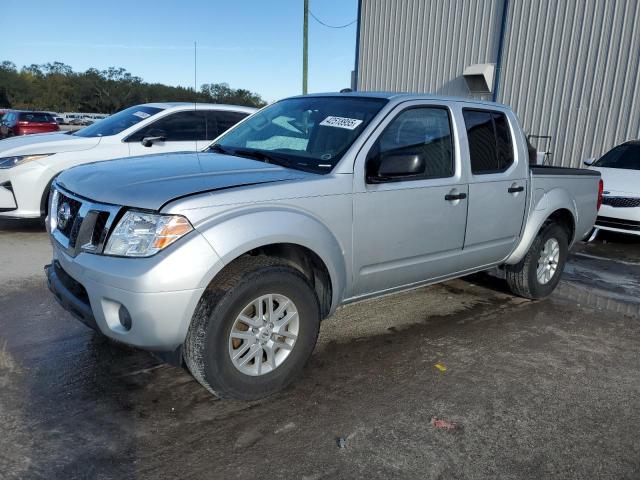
[
  {"x": 623, "y": 156},
  {"x": 306, "y": 133},
  {"x": 118, "y": 122}
]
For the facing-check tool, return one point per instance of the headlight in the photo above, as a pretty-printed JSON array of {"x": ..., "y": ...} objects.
[
  {"x": 8, "y": 162},
  {"x": 53, "y": 211},
  {"x": 140, "y": 234}
]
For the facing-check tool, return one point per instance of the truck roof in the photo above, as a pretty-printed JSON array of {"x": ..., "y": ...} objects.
[
  {"x": 405, "y": 96},
  {"x": 200, "y": 106}
]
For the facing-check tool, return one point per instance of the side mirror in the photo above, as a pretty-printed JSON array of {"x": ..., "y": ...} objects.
[
  {"x": 398, "y": 166},
  {"x": 148, "y": 141},
  {"x": 589, "y": 161}
]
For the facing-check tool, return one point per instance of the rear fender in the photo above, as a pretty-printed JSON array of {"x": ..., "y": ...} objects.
[{"x": 544, "y": 205}]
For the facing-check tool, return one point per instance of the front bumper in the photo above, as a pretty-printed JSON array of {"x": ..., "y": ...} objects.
[
  {"x": 618, "y": 225},
  {"x": 615, "y": 219},
  {"x": 21, "y": 190},
  {"x": 70, "y": 294},
  {"x": 93, "y": 288},
  {"x": 8, "y": 201}
]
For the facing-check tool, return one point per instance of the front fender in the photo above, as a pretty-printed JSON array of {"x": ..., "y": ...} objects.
[
  {"x": 544, "y": 204},
  {"x": 238, "y": 232}
]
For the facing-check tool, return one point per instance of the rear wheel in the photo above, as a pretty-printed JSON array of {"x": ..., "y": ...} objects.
[
  {"x": 538, "y": 273},
  {"x": 254, "y": 330}
]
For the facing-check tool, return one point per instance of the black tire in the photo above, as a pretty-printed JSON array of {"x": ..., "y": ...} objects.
[
  {"x": 205, "y": 349},
  {"x": 522, "y": 277}
]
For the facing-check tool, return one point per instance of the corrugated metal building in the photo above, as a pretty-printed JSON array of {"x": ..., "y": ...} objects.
[{"x": 569, "y": 69}]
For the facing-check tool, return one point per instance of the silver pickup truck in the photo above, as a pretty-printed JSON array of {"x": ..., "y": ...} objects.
[{"x": 227, "y": 260}]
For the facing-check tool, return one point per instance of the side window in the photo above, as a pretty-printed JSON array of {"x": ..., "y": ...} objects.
[
  {"x": 176, "y": 127},
  {"x": 219, "y": 122},
  {"x": 503, "y": 137},
  {"x": 421, "y": 131},
  {"x": 490, "y": 144}
]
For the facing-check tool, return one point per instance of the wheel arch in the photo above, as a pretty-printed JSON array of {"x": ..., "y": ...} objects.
[
  {"x": 308, "y": 245},
  {"x": 556, "y": 206},
  {"x": 44, "y": 201},
  {"x": 564, "y": 218}
]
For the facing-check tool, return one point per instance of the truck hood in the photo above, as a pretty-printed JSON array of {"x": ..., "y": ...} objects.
[
  {"x": 151, "y": 181},
  {"x": 57, "y": 142},
  {"x": 620, "y": 180}
]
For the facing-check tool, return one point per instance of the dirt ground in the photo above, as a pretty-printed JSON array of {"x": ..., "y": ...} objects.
[{"x": 459, "y": 380}]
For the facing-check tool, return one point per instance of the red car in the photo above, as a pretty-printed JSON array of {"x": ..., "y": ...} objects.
[{"x": 25, "y": 123}]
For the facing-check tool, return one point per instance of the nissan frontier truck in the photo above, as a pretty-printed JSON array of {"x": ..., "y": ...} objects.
[{"x": 226, "y": 260}]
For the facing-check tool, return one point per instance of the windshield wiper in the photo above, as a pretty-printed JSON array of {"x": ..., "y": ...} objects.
[
  {"x": 219, "y": 148},
  {"x": 252, "y": 154}
]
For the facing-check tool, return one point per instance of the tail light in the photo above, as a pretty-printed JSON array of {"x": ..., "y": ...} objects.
[{"x": 600, "y": 190}]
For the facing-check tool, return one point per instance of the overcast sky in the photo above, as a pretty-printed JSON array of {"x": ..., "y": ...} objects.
[{"x": 251, "y": 44}]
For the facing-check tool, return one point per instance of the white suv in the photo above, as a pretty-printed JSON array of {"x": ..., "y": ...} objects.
[{"x": 29, "y": 163}]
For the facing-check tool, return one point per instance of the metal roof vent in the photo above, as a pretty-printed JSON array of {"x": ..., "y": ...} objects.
[{"x": 480, "y": 77}]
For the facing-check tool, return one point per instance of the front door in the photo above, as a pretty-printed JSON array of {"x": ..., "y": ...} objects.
[
  {"x": 497, "y": 188},
  {"x": 176, "y": 132},
  {"x": 408, "y": 230}
]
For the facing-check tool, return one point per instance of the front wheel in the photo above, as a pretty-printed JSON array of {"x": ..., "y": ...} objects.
[
  {"x": 254, "y": 330},
  {"x": 538, "y": 273}
]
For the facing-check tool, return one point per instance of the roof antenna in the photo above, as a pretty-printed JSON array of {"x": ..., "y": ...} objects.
[{"x": 195, "y": 82}]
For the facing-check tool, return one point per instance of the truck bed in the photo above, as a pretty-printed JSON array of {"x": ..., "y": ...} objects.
[{"x": 549, "y": 170}]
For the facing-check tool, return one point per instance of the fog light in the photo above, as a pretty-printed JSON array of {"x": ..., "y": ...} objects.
[{"x": 124, "y": 317}]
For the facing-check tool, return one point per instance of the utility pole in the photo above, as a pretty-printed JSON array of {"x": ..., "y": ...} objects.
[{"x": 305, "y": 46}]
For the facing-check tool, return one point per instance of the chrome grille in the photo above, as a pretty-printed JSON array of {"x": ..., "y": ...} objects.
[
  {"x": 621, "y": 202},
  {"x": 74, "y": 208},
  {"x": 80, "y": 225}
]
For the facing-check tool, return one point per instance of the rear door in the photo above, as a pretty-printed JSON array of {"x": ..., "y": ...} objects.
[
  {"x": 218, "y": 122},
  {"x": 497, "y": 187},
  {"x": 181, "y": 132},
  {"x": 406, "y": 231}
]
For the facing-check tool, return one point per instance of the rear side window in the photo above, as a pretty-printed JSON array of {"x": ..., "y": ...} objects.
[
  {"x": 35, "y": 117},
  {"x": 490, "y": 143},
  {"x": 176, "y": 127}
]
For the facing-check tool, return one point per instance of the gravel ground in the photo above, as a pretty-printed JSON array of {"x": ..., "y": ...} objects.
[{"x": 459, "y": 380}]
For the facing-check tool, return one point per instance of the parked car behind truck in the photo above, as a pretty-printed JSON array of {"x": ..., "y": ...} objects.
[
  {"x": 228, "y": 260},
  {"x": 27, "y": 123},
  {"x": 29, "y": 164},
  {"x": 620, "y": 170}
]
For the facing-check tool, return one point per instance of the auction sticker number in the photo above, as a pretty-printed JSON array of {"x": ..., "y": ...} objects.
[{"x": 341, "y": 122}]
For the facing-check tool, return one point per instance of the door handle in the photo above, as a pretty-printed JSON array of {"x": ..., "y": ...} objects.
[
  {"x": 459, "y": 196},
  {"x": 515, "y": 189}
]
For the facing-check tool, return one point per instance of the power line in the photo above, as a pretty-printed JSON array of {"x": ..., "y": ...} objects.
[{"x": 331, "y": 26}]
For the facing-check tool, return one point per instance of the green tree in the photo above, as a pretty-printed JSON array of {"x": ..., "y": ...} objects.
[
  {"x": 55, "y": 86},
  {"x": 222, "y": 93}
]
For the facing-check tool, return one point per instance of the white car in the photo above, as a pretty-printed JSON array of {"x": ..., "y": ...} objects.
[
  {"x": 620, "y": 172},
  {"x": 29, "y": 163}
]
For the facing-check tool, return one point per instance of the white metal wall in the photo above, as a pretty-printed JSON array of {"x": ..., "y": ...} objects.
[
  {"x": 424, "y": 45},
  {"x": 570, "y": 68}
]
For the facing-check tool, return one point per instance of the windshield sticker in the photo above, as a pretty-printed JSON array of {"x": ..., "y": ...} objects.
[
  {"x": 142, "y": 115},
  {"x": 341, "y": 122}
]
